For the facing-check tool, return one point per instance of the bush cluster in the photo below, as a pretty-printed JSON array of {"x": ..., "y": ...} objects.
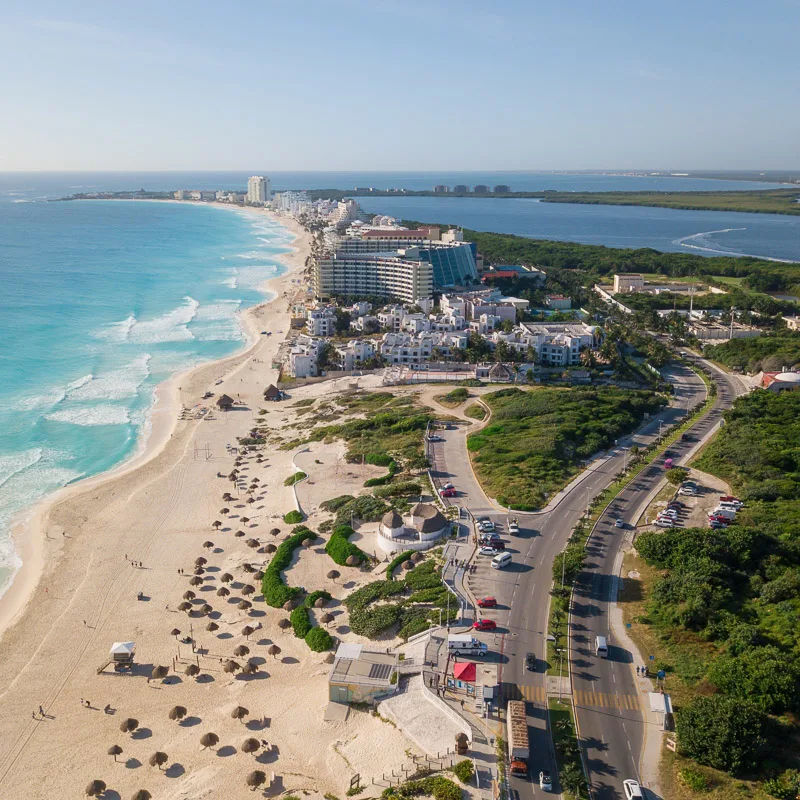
[
  {"x": 314, "y": 596},
  {"x": 293, "y": 517},
  {"x": 438, "y": 787},
  {"x": 293, "y": 479},
  {"x": 319, "y": 640},
  {"x": 275, "y": 591},
  {"x": 340, "y": 548},
  {"x": 396, "y": 562},
  {"x": 301, "y": 623},
  {"x": 381, "y": 460},
  {"x": 398, "y": 489},
  {"x": 464, "y": 770}
]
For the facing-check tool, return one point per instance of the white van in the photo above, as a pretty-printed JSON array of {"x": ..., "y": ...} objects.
[
  {"x": 601, "y": 646},
  {"x": 730, "y": 506},
  {"x": 502, "y": 560},
  {"x": 727, "y": 513},
  {"x": 464, "y": 644}
]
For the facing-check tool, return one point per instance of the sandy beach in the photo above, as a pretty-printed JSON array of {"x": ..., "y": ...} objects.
[{"x": 78, "y": 593}]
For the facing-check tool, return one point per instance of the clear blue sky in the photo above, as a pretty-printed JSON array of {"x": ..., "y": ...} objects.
[{"x": 400, "y": 84}]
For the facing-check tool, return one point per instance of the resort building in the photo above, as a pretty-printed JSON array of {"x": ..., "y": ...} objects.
[
  {"x": 558, "y": 302},
  {"x": 355, "y": 353},
  {"x": 792, "y": 323},
  {"x": 361, "y": 676},
  {"x": 421, "y": 529},
  {"x": 258, "y": 190},
  {"x": 628, "y": 283},
  {"x": 321, "y": 321}
]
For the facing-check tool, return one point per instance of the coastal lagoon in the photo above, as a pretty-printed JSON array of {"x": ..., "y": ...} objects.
[{"x": 101, "y": 301}]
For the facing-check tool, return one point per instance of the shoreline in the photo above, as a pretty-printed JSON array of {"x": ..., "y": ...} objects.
[{"x": 28, "y": 530}]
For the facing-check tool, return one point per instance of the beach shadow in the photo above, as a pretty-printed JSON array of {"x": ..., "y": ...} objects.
[
  {"x": 190, "y": 722},
  {"x": 173, "y": 679},
  {"x": 142, "y": 733},
  {"x": 349, "y": 584},
  {"x": 207, "y": 588},
  {"x": 227, "y": 750},
  {"x": 264, "y": 641},
  {"x": 111, "y": 794},
  {"x": 258, "y": 724},
  {"x": 224, "y": 636},
  {"x": 258, "y": 676},
  {"x": 258, "y": 660},
  {"x": 257, "y": 612},
  {"x": 174, "y": 770},
  {"x": 211, "y": 569},
  {"x": 289, "y": 660},
  {"x": 205, "y": 678},
  {"x": 133, "y": 763},
  {"x": 343, "y": 629},
  {"x": 268, "y": 756}
]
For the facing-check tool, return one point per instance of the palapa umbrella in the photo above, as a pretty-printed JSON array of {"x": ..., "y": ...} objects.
[
  {"x": 157, "y": 759},
  {"x": 240, "y": 712},
  {"x": 289, "y": 605},
  {"x": 96, "y": 788},
  {"x": 259, "y": 575},
  {"x": 192, "y": 670},
  {"x": 189, "y": 595},
  {"x": 250, "y": 745},
  {"x": 195, "y": 580},
  {"x": 255, "y": 779},
  {"x": 226, "y": 577},
  {"x": 142, "y": 794},
  {"x": 248, "y": 589},
  {"x": 333, "y": 575},
  {"x": 275, "y": 531},
  {"x": 206, "y": 608},
  {"x": 351, "y": 561},
  {"x": 251, "y": 500},
  {"x": 231, "y": 666},
  {"x": 246, "y": 631},
  {"x": 216, "y": 525},
  {"x": 115, "y": 750},
  {"x": 244, "y": 519},
  {"x": 284, "y": 623},
  {"x": 223, "y": 591},
  {"x": 253, "y": 543},
  {"x": 326, "y": 619},
  {"x": 274, "y": 650},
  {"x": 308, "y": 542},
  {"x": 270, "y": 548},
  {"x": 185, "y": 606},
  {"x": 244, "y": 605},
  {"x": 178, "y": 712},
  {"x": 247, "y": 567},
  {"x": 407, "y": 564},
  {"x": 212, "y": 626},
  {"x": 241, "y": 650},
  {"x": 250, "y": 668},
  {"x": 417, "y": 557},
  {"x": 209, "y": 739},
  {"x": 175, "y": 632},
  {"x": 129, "y": 725},
  {"x": 256, "y": 479},
  {"x": 199, "y": 561},
  {"x": 320, "y": 602},
  {"x": 208, "y": 545},
  {"x": 227, "y": 497},
  {"x": 158, "y": 674},
  {"x": 239, "y": 534}
]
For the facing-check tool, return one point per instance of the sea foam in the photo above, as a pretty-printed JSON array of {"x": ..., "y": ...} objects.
[
  {"x": 93, "y": 415},
  {"x": 118, "y": 384}
]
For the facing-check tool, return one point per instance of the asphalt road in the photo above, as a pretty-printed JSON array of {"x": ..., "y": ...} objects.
[{"x": 522, "y": 592}]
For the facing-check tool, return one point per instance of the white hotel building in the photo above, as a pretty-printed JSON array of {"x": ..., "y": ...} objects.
[{"x": 259, "y": 191}]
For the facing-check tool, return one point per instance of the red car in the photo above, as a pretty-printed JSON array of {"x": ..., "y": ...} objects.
[
  {"x": 487, "y": 602},
  {"x": 447, "y": 492},
  {"x": 484, "y": 624}
]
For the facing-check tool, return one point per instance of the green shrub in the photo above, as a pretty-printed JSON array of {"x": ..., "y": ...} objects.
[
  {"x": 292, "y": 518},
  {"x": 464, "y": 770},
  {"x": 275, "y": 591},
  {"x": 319, "y": 640},
  {"x": 293, "y": 479},
  {"x": 301, "y": 624},
  {"x": 396, "y": 562},
  {"x": 398, "y": 489},
  {"x": 335, "y": 503},
  {"x": 377, "y": 590},
  {"x": 437, "y": 786},
  {"x": 456, "y": 397},
  {"x": 475, "y": 411},
  {"x": 695, "y": 780},
  {"x": 370, "y": 621},
  {"x": 314, "y": 596},
  {"x": 340, "y": 548},
  {"x": 423, "y": 576},
  {"x": 384, "y": 479},
  {"x": 366, "y": 508}
]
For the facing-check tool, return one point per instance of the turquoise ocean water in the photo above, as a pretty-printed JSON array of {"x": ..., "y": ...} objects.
[{"x": 100, "y": 302}]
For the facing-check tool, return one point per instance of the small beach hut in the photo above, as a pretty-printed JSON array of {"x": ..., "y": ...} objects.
[
  {"x": 273, "y": 393},
  {"x": 121, "y": 655},
  {"x": 224, "y": 403}
]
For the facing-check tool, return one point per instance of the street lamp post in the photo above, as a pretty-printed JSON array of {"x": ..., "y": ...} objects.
[{"x": 560, "y": 651}]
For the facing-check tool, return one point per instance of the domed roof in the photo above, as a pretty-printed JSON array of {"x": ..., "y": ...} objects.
[
  {"x": 392, "y": 520},
  {"x": 788, "y": 377},
  {"x": 431, "y": 518}
]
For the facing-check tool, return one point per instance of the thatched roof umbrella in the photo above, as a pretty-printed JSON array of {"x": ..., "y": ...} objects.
[
  {"x": 192, "y": 670},
  {"x": 289, "y": 605},
  {"x": 270, "y": 548},
  {"x": 115, "y": 750},
  {"x": 224, "y": 511},
  {"x": 275, "y": 531},
  {"x": 226, "y": 577},
  {"x": 223, "y": 591},
  {"x": 216, "y": 524},
  {"x": 233, "y": 475},
  {"x": 246, "y": 631},
  {"x": 241, "y": 650},
  {"x": 308, "y": 542},
  {"x": 230, "y": 666},
  {"x": 326, "y": 619},
  {"x": 206, "y": 608},
  {"x": 227, "y": 497},
  {"x": 158, "y": 674},
  {"x": 259, "y": 574},
  {"x": 284, "y": 624},
  {"x": 178, "y": 712},
  {"x": 248, "y": 589},
  {"x": 209, "y": 739},
  {"x": 195, "y": 580},
  {"x": 240, "y": 712},
  {"x": 199, "y": 571},
  {"x": 274, "y": 650},
  {"x": 175, "y": 632},
  {"x": 185, "y": 606},
  {"x": 320, "y": 602},
  {"x": 250, "y": 745},
  {"x": 245, "y": 520},
  {"x": 142, "y": 794},
  {"x": 157, "y": 759},
  {"x": 212, "y": 626},
  {"x": 239, "y": 534},
  {"x": 250, "y": 668},
  {"x": 351, "y": 561},
  {"x": 129, "y": 725},
  {"x": 200, "y": 561},
  {"x": 253, "y": 543},
  {"x": 256, "y": 479},
  {"x": 244, "y": 605},
  {"x": 96, "y": 788},
  {"x": 251, "y": 500},
  {"x": 189, "y": 595},
  {"x": 407, "y": 564},
  {"x": 333, "y": 575},
  {"x": 256, "y": 778},
  {"x": 247, "y": 567}
]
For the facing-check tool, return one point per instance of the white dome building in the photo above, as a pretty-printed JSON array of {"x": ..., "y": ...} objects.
[{"x": 421, "y": 530}]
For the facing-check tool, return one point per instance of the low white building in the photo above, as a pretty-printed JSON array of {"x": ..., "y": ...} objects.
[
  {"x": 628, "y": 283},
  {"x": 304, "y": 356},
  {"x": 421, "y": 529},
  {"x": 321, "y": 321},
  {"x": 355, "y": 353}
]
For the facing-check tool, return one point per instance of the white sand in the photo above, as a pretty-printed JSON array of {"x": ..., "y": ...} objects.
[{"x": 77, "y": 594}]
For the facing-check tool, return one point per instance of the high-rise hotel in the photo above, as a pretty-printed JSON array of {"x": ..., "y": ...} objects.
[{"x": 259, "y": 191}]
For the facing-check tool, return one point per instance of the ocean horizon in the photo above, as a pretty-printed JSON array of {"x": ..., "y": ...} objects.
[{"x": 104, "y": 300}]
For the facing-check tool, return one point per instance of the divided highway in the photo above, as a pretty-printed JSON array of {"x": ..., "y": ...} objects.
[{"x": 611, "y": 730}]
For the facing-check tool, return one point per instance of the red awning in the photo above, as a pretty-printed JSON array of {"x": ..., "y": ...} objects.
[{"x": 465, "y": 671}]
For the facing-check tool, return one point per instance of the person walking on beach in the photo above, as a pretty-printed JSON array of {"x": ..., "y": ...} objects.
[{"x": 41, "y": 710}]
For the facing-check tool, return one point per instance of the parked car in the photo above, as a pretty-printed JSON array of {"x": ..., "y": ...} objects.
[
  {"x": 486, "y": 527},
  {"x": 632, "y": 790},
  {"x": 486, "y": 550},
  {"x": 497, "y": 544},
  {"x": 545, "y": 781},
  {"x": 668, "y": 512},
  {"x": 513, "y": 527},
  {"x": 487, "y": 602},
  {"x": 448, "y": 486},
  {"x": 484, "y": 625},
  {"x": 530, "y": 662},
  {"x": 687, "y": 491},
  {"x": 717, "y": 524},
  {"x": 619, "y": 523},
  {"x": 664, "y": 523},
  {"x": 729, "y": 498},
  {"x": 435, "y": 438},
  {"x": 447, "y": 492}
]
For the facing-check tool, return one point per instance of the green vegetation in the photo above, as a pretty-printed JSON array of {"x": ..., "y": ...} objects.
[
  {"x": 293, "y": 517},
  {"x": 676, "y": 476},
  {"x": 366, "y": 508},
  {"x": 293, "y": 479},
  {"x": 399, "y": 489},
  {"x": 475, "y": 411},
  {"x": 340, "y": 548},
  {"x": 454, "y": 398},
  {"x": 769, "y": 352},
  {"x": 275, "y": 591},
  {"x": 319, "y": 640},
  {"x": 301, "y": 622},
  {"x": 435, "y": 786},
  {"x": 396, "y": 562},
  {"x": 314, "y": 596},
  {"x": 463, "y": 770},
  {"x": 382, "y": 460},
  {"x": 537, "y": 439},
  {"x": 565, "y": 742}
]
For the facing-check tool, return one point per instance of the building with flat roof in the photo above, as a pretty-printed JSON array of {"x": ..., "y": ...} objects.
[
  {"x": 628, "y": 283},
  {"x": 361, "y": 676},
  {"x": 258, "y": 190}
]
